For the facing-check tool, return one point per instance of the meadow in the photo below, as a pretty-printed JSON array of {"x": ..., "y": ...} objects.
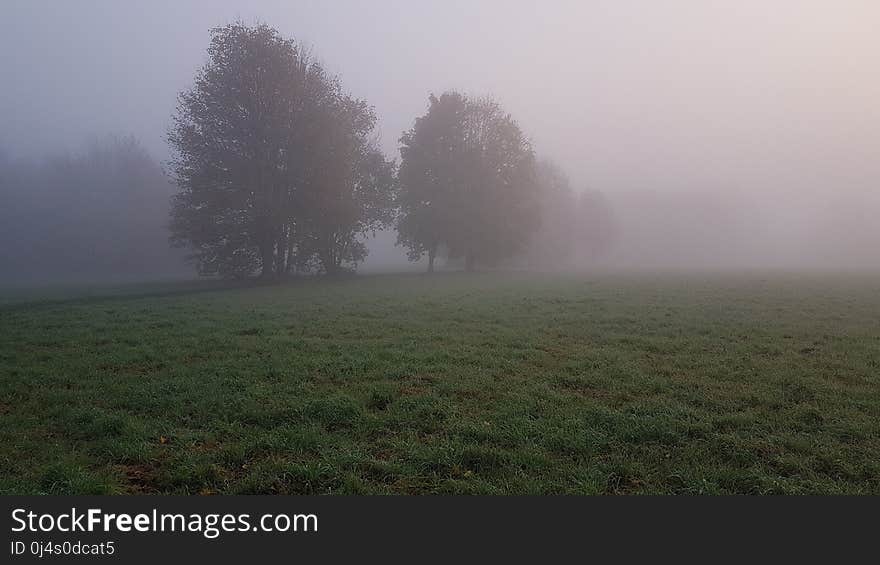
[{"x": 493, "y": 383}]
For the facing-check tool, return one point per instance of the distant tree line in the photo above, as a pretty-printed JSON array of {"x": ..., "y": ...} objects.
[
  {"x": 95, "y": 214},
  {"x": 575, "y": 229},
  {"x": 276, "y": 170},
  {"x": 279, "y": 171}
]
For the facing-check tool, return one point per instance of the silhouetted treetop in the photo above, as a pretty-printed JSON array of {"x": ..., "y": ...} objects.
[{"x": 274, "y": 161}]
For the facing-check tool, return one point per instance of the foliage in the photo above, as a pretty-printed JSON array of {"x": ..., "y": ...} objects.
[
  {"x": 467, "y": 182},
  {"x": 100, "y": 213},
  {"x": 274, "y": 161},
  {"x": 553, "y": 244}
]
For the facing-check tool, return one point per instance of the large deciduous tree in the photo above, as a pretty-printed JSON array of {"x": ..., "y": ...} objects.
[
  {"x": 431, "y": 153},
  {"x": 467, "y": 183},
  {"x": 348, "y": 189},
  {"x": 554, "y": 242},
  {"x": 274, "y": 161}
]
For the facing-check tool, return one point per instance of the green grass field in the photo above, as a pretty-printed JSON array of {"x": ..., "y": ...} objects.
[{"x": 485, "y": 383}]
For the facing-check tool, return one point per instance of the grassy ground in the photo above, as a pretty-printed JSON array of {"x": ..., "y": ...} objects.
[{"x": 487, "y": 383}]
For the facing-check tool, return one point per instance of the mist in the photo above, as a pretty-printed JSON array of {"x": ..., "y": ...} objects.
[
  {"x": 99, "y": 214},
  {"x": 721, "y": 135}
]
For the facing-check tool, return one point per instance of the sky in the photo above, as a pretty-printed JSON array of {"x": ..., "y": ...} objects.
[{"x": 757, "y": 105}]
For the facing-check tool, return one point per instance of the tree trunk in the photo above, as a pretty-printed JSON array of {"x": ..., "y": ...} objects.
[
  {"x": 469, "y": 263},
  {"x": 266, "y": 271},
  {"x": 267, "y": 261},
  {"x": 328, "y": 260},
  {"x": 281, "y": 255},
  {"x": 288, "y": 264}
]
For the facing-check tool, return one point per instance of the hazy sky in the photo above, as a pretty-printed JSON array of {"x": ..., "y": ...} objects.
[{"x": 766, "y": 99}]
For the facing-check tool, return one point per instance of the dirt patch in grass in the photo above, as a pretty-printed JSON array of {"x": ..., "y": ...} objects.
[{"x": 140, "y": 478}]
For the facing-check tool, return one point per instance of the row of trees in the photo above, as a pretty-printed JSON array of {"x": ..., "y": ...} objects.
[
  {"x": 99, "y": 213},
  {"x": 576, "y": 229},
  {"x": 279, "y": 170}
]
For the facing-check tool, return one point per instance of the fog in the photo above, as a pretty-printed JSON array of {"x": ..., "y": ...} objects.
[{"x": 722, "y": 134}]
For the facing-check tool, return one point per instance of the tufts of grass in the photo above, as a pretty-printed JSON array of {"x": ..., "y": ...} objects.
[{"x": 482, "y": 384}]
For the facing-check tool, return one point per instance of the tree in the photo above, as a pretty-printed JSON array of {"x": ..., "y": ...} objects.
[
  {"x": 467, "y": 183},
  {"x": 349, "y": 187},
  {"x": 95, "y": 214},
  {"x": 270, "y": 160},
  {"x": 596, "y": 228},
  {"x": 430, "y": 152},
  {"x": 554, "y": 242}
]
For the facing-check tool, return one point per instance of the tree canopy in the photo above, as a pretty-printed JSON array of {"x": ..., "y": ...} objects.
[
  {"x": 467, "y": 183},
  {"x": 274, "y": 160},
  {"x": 278, "y": 170}
]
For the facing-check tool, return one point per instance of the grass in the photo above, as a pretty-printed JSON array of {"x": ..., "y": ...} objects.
[{"x": 490, "y": 383}]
